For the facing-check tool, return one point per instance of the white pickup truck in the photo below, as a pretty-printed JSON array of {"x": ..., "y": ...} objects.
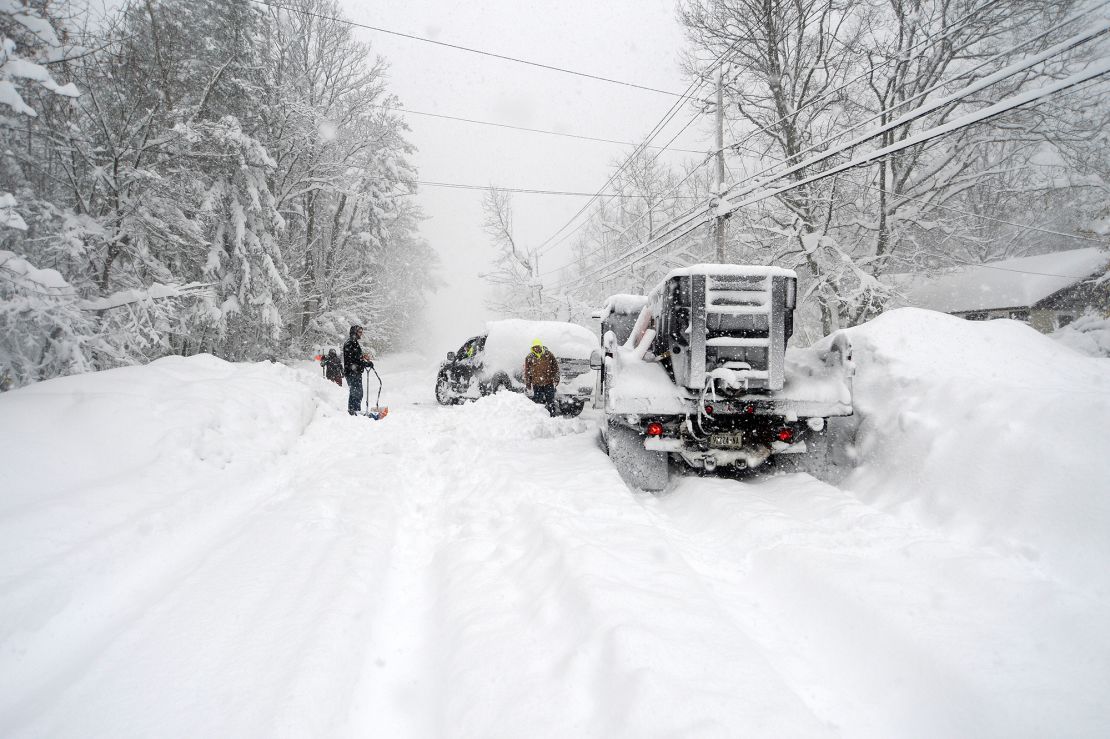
[{"x": 702, "y": 375}]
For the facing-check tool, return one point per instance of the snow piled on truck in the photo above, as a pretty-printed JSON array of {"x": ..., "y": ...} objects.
[{"x": 989, "y": 430}]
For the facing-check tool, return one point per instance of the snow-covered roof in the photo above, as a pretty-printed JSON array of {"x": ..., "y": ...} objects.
[{"x": 1011, "y": 283}]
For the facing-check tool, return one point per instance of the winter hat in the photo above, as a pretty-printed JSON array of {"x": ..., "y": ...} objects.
[{"x": 537, "y": 346}]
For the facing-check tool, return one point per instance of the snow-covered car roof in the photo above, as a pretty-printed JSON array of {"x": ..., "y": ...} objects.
[{"x": 508, "y": 341}]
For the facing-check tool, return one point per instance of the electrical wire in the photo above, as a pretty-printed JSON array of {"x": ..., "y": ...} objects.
[
  {"x": 529, "y": 130},
  {"x": 956, "y": 25},
  {"x": 458, "y": 47},
  {"x": 1023, "y": 226},
  {"x": 523, "y": 190},
  {"x": 1095, "y": 70},
  {"x": 1022, "y": 65},
  {"x": 656, "y": 130},
  {"x": 929, "y": 41}
]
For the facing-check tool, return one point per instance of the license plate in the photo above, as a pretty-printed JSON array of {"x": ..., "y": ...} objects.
[{"x": 726, "y": 441}]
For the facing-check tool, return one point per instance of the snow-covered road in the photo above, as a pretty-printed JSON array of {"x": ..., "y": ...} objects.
[{"x": 481, "y": 570}]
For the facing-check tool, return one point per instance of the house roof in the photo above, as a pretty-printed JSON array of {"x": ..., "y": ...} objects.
[{"x": 1011, "y": 283}]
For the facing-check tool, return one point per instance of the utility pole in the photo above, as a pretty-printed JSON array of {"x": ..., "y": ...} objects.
[{"x": 720, "y": 164}]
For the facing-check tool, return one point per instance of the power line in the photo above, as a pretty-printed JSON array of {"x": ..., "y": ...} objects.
[
  {"x": 673, "y": 223},
  {"x": 938, "y": 206},
  {"x": 928, "y": 41},
  {"x": 458, "y": 47},
  {"x": 568, "y": 234},
  {"x": 523, "y": 190},
  {"x": 1023, "y": 226},
  {"x": 1096, "y": 69},
  {"x": 931, "y": 40},
  {"x": 529, "y": 130},
  {"x": 655, "y": 131},
  {"x": 914, "y": 114},
  {"x": 1093, "y": 71}
]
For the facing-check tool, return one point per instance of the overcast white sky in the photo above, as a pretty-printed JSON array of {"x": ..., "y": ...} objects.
[{"x": 635, "y": 40}]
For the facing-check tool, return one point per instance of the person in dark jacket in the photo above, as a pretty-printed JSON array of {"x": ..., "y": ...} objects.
[
  {"x": 541, "y": 375},
  {"x": 354, "y": 362},
  {"x": 333, "y": 367}
]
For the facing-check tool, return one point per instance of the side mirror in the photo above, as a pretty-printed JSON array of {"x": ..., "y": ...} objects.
[
  {"x": 450, "y": 356},
  {"x": 595, "y": 360}
]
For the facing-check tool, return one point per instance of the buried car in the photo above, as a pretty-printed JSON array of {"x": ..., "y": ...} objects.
[{"x": 494, "y": 361}]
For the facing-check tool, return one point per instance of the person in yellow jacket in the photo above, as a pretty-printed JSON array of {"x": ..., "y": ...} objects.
[{"x": 541, "y": 375}]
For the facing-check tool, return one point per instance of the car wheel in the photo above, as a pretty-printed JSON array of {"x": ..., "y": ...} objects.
[
  {"x": 571, "y": 408},
  {"x": 500, "y": 382},
  {"x": 444, "y": 396}
]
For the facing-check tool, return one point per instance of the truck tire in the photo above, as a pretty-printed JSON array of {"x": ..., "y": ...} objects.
[{"x": 638, "y": 467}]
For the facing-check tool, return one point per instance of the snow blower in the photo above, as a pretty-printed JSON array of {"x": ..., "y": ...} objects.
[{"x": 378, "y": 412}]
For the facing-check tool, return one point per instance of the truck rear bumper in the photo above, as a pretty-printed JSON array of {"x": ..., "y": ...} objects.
[{"x": 748, "y": 456}]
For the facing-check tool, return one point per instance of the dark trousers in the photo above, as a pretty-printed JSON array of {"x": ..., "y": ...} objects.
[
  {"x": 545, "y": 396},
  {"x": 354, "y": 400}
]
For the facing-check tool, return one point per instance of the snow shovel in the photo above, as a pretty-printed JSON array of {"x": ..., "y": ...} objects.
[{"x": 378, "y": 412}]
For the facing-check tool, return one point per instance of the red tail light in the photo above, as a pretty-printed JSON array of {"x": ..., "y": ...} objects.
[
  {"x": 785, "y": 434},
  {"x": 749, "y": 409},
  {"x": 655, "y": 429},
  {"x": 709, "y": 410}
]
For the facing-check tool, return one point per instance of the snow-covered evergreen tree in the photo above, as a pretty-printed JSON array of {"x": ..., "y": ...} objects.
[{"x": 228, "y": 181}]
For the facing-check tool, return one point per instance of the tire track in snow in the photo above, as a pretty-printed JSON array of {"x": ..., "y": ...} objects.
[
  {"x": 560, "y": 580},
  {"x": 57, "y": 653},
  {"x": 279, "y": 626},
  {"x": 399, "y": 690}
]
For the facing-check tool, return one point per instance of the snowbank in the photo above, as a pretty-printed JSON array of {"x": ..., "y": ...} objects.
[
  {"x": 507, "y": 416},
  {"x": 161, "y": 460},
  {"x": 176, "y": 413},
  {"x": 989, "y": 430},
  {"x": 1088, "y": 334}
]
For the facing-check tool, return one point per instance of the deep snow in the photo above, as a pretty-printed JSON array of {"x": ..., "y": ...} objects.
[{"x": 197, "y": 548}]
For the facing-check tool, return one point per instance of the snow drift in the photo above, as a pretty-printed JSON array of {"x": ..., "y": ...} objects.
[
  {"x": 990, "y": 430},
  {"x": 154, "y": 459}
]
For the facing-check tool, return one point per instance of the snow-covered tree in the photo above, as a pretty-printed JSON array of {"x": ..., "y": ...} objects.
[
  {"x": 517, "y": 291},
  {"x": 227, "y": 182}
]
